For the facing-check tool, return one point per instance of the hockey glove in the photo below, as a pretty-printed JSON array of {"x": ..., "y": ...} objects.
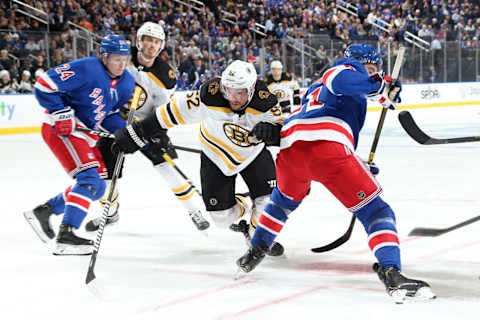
[
  {"x": 128, "y": 139},
  {"x": 374, "y": 169},
  {"x": 297, "y": 98},
  {"x": 382, "y": 81},
  {"x": 267, "y": 132},
  {"x": 285, "y": 106},
  {"x": 63, "y": 121},
  {"x": 394, "y": 91}
]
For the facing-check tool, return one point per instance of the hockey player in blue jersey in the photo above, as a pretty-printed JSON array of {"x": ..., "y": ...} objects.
[
  {"x": 88, "y": 93},
  {"x": 324, "y": 134}
]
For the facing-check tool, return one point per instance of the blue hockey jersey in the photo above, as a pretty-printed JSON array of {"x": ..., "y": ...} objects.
[
  {"x": 85, "y": 86},
  {"x": 333, "y": 109}
]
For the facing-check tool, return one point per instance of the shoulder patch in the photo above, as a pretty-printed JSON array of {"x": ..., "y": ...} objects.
[
  {"x": 210, "y": 94},
  {"x": 263, "y": 99},
  {"x": 164, "y": 73}
]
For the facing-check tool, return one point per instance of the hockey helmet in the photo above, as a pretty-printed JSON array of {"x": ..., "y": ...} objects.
[
  {"x": 239, "y": 75},
  {"x": 276, "y": 65},
  {"x": 153, "y": 30},
  {"x": 114, "y": 44},
  {"x": 364, "y": 53}
]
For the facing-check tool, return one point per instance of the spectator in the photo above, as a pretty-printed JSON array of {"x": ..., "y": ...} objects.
[
  {"x": 25, "y": 85},
  {"x": 5, "y": 60},
  {"x": 6, "y": 84}
]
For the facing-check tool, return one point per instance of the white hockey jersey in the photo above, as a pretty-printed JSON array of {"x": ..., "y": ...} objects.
[
  {"x": 157, "y": 84},
  {"x": 283, "y": 88},
  {"x": 223, "y": 132}
]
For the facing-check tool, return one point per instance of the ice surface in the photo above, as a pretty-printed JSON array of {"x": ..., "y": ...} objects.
[{"x": 156, "y": 265}]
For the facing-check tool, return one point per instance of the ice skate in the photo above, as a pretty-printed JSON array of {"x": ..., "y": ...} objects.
[
  {"x": 401, "y": 288},
  {"x": 70, "y": 244},
  {"x": 275, "y": 250},
  {"x": 39, "y": 220},
  {"x": 200, "y": 222},
  {"x": 94, "y": 224},
  {"x": 252, "y": 258}
]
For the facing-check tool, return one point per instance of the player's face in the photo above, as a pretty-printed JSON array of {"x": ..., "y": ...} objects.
[
  {"x": 116, "y": 64},
  {"x": 150, "y": 46},
  {"x": 277, "y": 73},
  {"x": 371, "y": 68},
  {"x": 236, "y": 97}
]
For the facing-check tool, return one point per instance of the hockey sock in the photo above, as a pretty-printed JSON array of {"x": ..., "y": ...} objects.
[
  {"x": 57, "y": 203},
  {"x": 184, "y": 191},
  {"x": 89, "y": 187},
  {"x": 273, "y": 218},
  {"x": 378, "y": 220}
]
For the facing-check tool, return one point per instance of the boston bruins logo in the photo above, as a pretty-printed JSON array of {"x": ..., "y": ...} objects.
[
  {"x": 213, "y": 88},
  {"x": 279, "y": 93},
  {"x": 142, "y": 98},
  {"x": 237, "y": 134}
]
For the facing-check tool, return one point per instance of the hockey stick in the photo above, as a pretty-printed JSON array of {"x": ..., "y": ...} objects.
[
  {"x": 414, "y": 131},
  {"x": 111, "y": 136},
  {"x": 344, "y": 238},
  {"x": 431, "y": 232},
  {"x": 93, "y": 285}
]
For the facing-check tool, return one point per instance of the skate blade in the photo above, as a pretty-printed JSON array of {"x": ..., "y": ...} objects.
[
  {"x": 71, "y": 250},
  {"x": 33, "y": 222},
  {"x": 422, "y": 294},
  {"x": 240, "y": 274}
]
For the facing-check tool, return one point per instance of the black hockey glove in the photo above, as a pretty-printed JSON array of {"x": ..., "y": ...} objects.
[
  {"x": 297, "y": 98},
  {"x": 267, "y": 132},
  {"x": 285, "y": 106},
  {"x": 128, "y": 139}
]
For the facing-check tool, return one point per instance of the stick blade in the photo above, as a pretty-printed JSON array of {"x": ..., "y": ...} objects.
[
  {"x": 97, "y": 288},
  {"x": 407, "y": 122},
  {"x": 425, "y": 232}
]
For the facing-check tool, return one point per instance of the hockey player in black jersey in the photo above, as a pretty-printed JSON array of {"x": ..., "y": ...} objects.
[
  {"x": 157, "y": 82},
  {"x": 239, "y": 118}
]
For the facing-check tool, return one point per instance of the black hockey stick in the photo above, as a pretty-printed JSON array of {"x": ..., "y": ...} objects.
[
  {"x": 414, "y": 131},
  {"x": 346, "y": 236},
  {"x": 93, "y": 285},
  {"x": 110, "y": 135},
  {"x": 431, "y": 232}
]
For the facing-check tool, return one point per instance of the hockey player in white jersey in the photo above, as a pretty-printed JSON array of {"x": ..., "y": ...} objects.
[
  {"x": 239, "y": 117},
  {"x": 157, "y": 82},
  {"x": 283, "y": 86}
]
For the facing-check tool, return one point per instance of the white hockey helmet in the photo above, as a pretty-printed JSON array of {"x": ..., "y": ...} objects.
[
  {"x": 239, "y": 75},
  {"x": 276, "y": 65},
  {"x": 153, "y": 30}
]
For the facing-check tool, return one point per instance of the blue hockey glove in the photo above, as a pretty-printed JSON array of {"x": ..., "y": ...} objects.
[{"x": 374, "y": 169}]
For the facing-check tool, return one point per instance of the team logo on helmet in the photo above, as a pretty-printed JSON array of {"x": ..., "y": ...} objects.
[{"x": 237, "y": 134}]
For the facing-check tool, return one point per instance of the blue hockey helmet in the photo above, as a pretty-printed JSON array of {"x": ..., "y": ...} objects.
[
  {"x": 114, "y": 44},
  {"x": 364, "y": 53}
]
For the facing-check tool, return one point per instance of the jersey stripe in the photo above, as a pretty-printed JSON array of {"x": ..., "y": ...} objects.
[
  {"x": 45, "y": 84},
  {"x": 230, "y": 151},
  {"x": 216, "y": 151},
  {"x": 174, "y": 106},
  {"x": 165, "y": 118},
  {"x": 156, "y": 80},
  {"x": 321, "y": 128},
  {"x": 331, "y": 73}
]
